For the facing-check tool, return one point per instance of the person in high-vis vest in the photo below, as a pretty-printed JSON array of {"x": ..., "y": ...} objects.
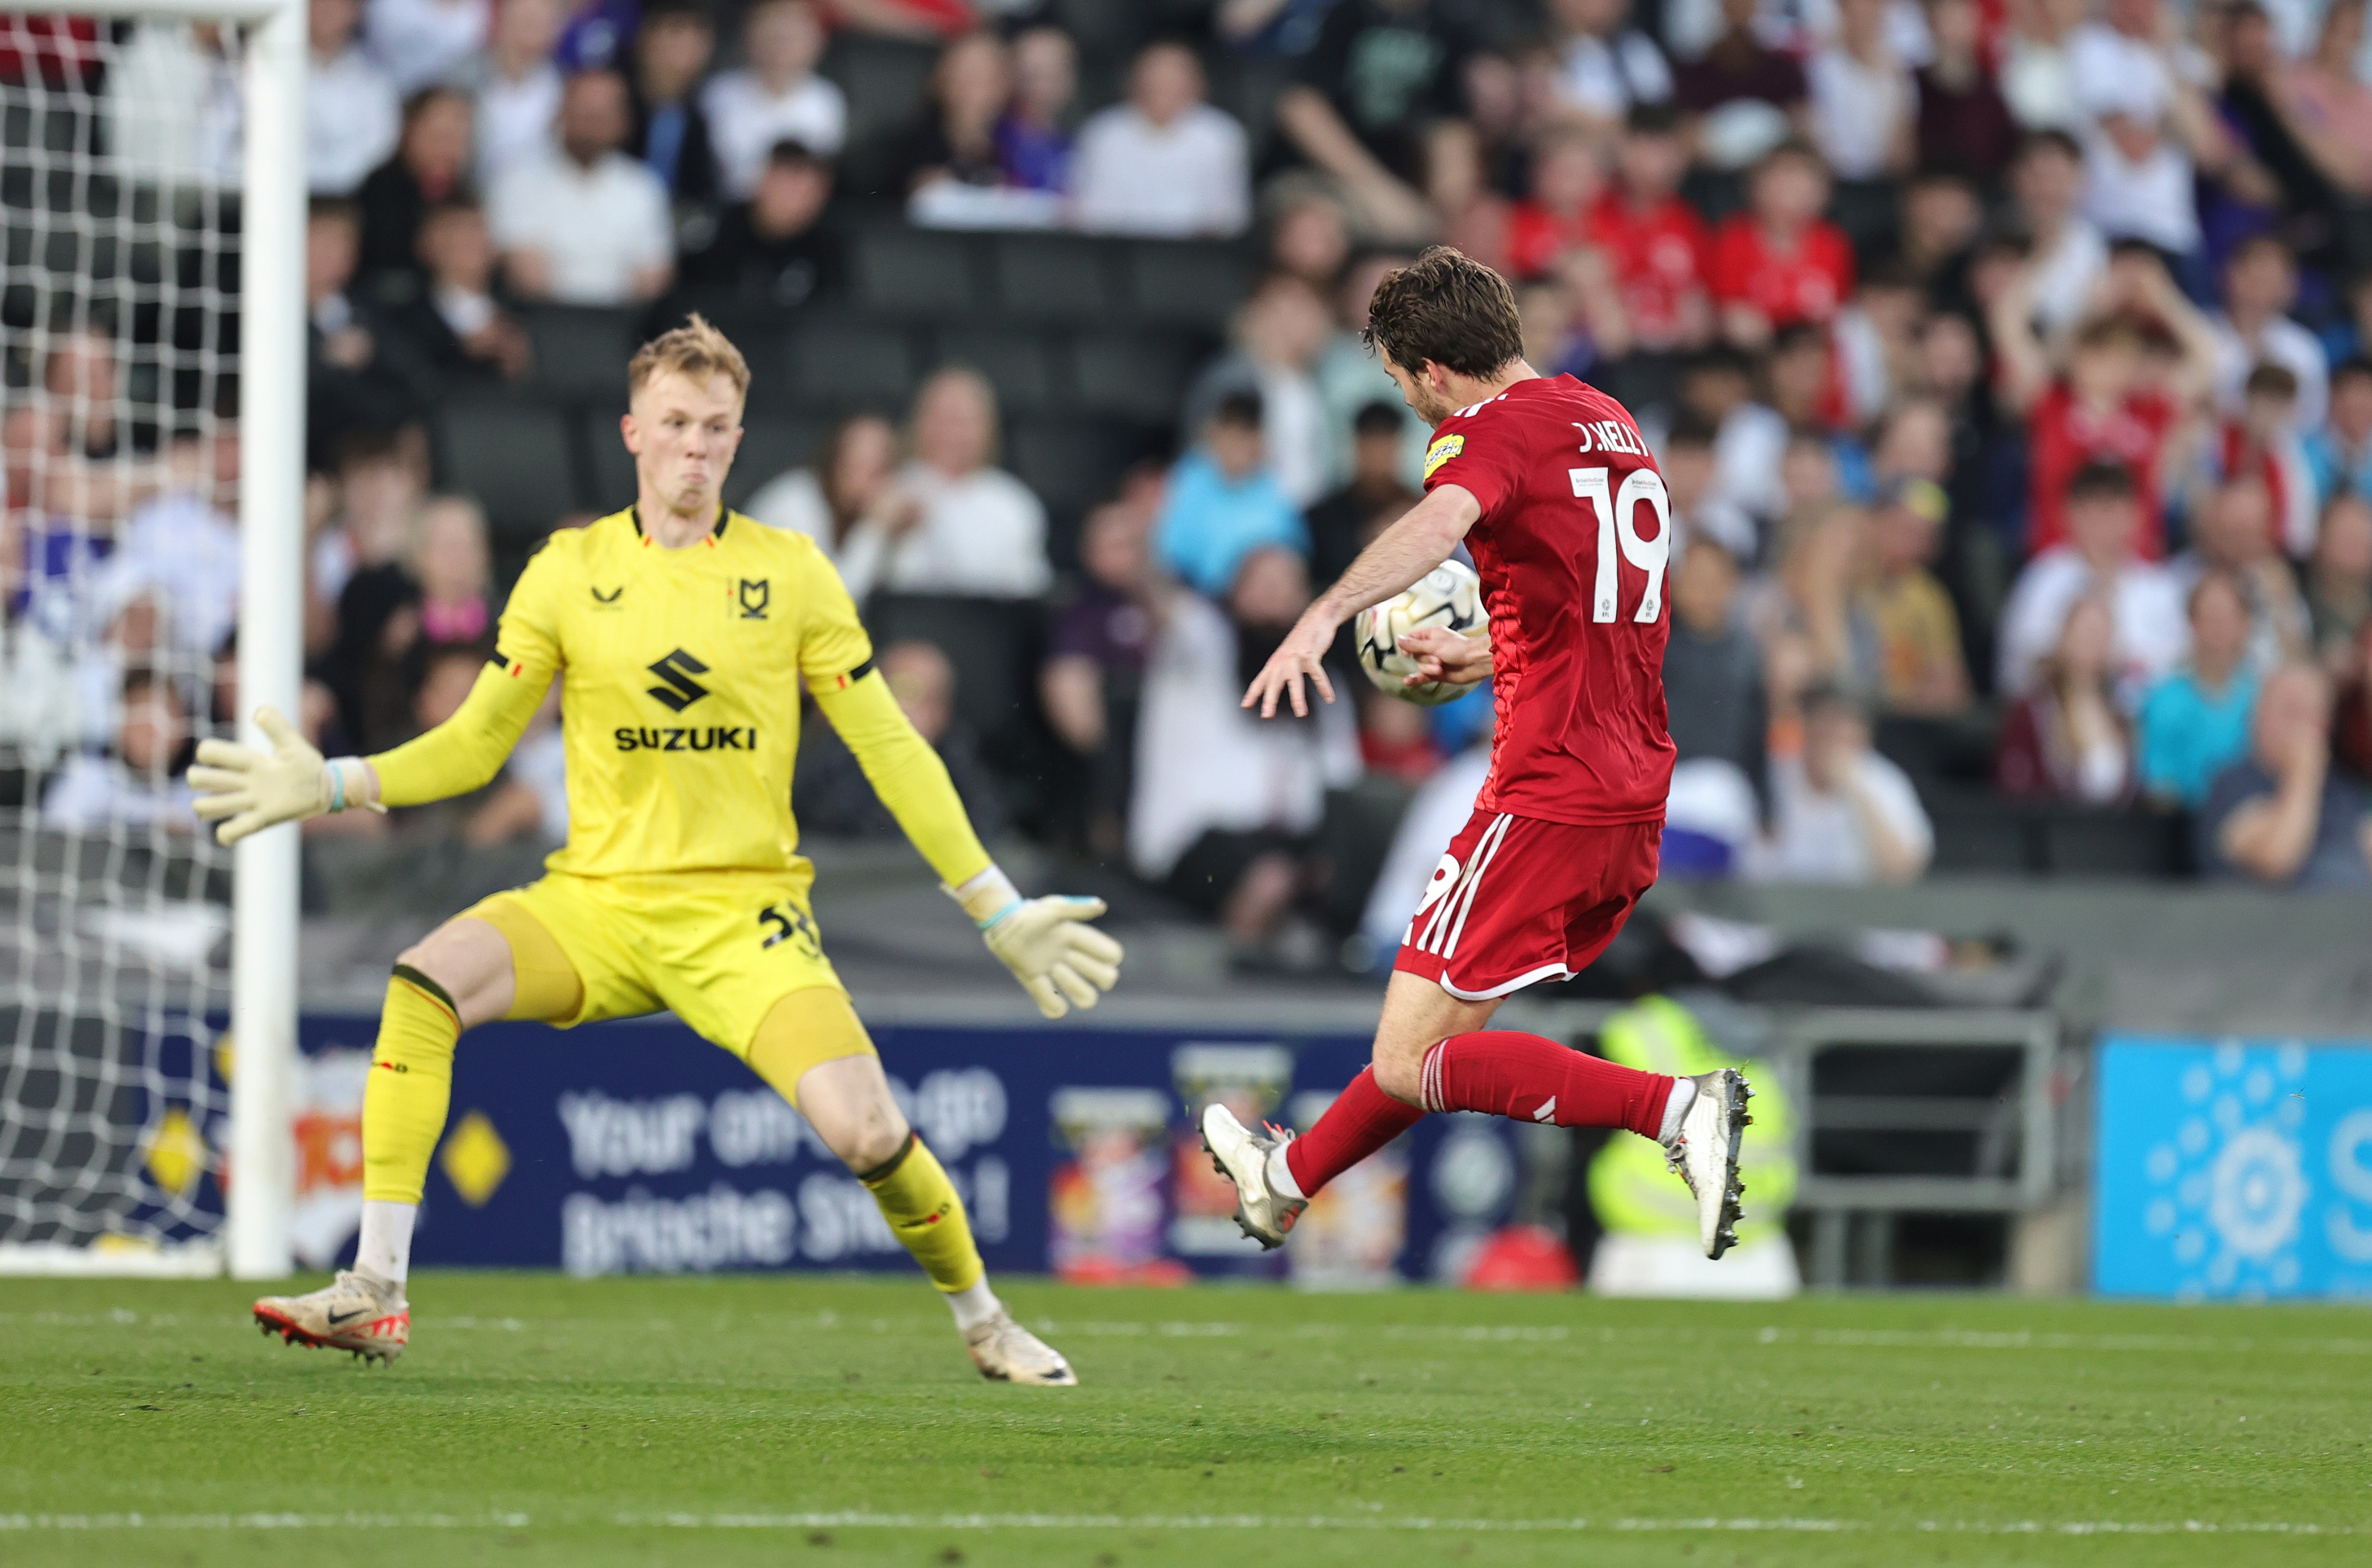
[{"x": 1649, "y": 1247}]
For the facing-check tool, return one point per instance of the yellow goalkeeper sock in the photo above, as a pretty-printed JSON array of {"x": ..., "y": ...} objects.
[
  {"x": 411, "y": 1085},
  {"x": 924, "y": 1212}
]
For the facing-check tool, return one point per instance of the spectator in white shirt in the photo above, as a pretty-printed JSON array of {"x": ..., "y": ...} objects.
[
  {"x": 1604, "y": 64},
  {"x": 1165, "y": 162},
  {"x": 2255, "y": 328},
  {"x": 419, "y": 42},
  {"x": 2066, "y": 254},
  {"x": 519, "y": 86},
  {"x": 848, "y": 501},
  {"x": 586, "y": 224},
  {"x": 174, "y": 113},
  {"x": 1280, "y": 333},
  {"x": 352, "y": 109},
  {"x": 2146, "y": 125},
  {"x": 2152, "y": 628},
  {"x": 777, "y": 97},
  {"x": 976, "y": 530},
  {"x": 144, "y": 784},
  {"x": 180, "y": 550},
  {"x": 2036, "y": 80},
  {"x": 1840, "y": 812},
  {"x": 1863, "y": 108}
]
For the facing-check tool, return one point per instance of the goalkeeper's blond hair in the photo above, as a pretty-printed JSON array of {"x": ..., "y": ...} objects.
[{"x": 695, "y": 349}]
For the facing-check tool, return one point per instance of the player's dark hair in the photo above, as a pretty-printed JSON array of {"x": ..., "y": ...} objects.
[
  {"x": 1241, "y": 408},
  {"x": 791, "y": 150},
  {"x": 1653, "y": 119},
  {"x": 2101, "y": 482},
  {"x": 1690, "y": 428},
  {"x": 2269, "y": 380},
  {"x": 2049, "y": 139},
  {"x": 1797, "y": 336},
  {"x": 1447, "y": 308}
]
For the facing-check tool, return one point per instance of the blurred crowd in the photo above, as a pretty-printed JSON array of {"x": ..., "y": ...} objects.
[{"x": 2006, "y": 361}]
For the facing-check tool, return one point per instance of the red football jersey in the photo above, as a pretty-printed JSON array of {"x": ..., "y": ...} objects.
[
  {"x": 1807, "y": 282},
  {"x": 1573, "y": 546}
]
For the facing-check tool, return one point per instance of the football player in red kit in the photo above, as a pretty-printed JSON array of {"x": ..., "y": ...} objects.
[{"x": 1550, "y": 488}]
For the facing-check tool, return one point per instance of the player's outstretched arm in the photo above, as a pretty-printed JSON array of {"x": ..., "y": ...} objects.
[
  {"x": 243, "y": 790},
  {"x": 1401, "y": 554},
  {"x": 1060, "y": 960}
]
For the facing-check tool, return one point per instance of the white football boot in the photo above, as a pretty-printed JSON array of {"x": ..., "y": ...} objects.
[
  {"x": 353, "y": 1312},
  {"x": 1006, "y": 1353},
  {"x": 1241, "y": 1154},
  {"x": 1704, "y": 1151}
]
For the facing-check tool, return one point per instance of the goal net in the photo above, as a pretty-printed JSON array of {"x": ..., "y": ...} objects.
[{"x": 125, "y": 211}]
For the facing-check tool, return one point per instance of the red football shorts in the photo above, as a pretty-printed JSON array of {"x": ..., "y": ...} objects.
[{"x": 1517, "y": 900}]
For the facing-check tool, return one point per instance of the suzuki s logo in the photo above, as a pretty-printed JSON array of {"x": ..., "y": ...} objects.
[
  {"x": 677, "y": 688},
  {"x": 755, "y": 597}
]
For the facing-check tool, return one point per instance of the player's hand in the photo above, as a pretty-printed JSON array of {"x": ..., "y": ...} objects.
[
  {"x": 1061, "y": 961},
  {"x": 1444, "y": 655},
  {"x": 1301, "y": 657},
  {"x": 257, "y": 789}
]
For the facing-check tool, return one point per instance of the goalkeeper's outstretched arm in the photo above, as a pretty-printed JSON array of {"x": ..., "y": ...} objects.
[
  {"x": 244, "y": 790},
  {"x": 1047, "y": 943}
]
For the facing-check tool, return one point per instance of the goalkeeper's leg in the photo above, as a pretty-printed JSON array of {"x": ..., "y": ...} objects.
[
  {"x": 497, "y": 963},
  {"x": 814, "y": 1052}
]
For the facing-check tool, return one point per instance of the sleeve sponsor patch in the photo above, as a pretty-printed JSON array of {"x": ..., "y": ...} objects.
[{"x": 1441, "y": 451}]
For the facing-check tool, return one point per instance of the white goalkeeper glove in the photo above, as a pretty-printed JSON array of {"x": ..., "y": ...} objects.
[
  {"x": 1061, "y": 961},
  {"x": 254, "y": 790}
]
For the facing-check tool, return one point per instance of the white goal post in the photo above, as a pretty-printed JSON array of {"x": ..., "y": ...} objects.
[{"x": 131, "y": 1140}]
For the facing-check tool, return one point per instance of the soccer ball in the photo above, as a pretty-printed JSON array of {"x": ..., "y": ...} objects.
[{"x": 1450, "y": 597}]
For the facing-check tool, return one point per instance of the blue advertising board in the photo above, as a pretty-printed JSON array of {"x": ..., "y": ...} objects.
[
  {"x": 637, "y": 1147},
  {"x": 2233, "y": 1169}
]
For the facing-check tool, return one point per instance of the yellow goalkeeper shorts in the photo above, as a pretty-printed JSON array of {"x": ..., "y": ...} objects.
[{"x": 717, "y": 948}]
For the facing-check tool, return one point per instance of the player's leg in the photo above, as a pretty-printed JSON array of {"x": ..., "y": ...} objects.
[
  {"x": 814, "y": 1052},
  {"x": 495, "y": 961}
]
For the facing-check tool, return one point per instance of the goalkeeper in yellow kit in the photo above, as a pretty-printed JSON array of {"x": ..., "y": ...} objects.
[{"x": 683, "y": 635}]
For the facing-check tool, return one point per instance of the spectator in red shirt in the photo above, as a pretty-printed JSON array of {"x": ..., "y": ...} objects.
[
  {"x": 1779, "y": 262},
  {"x": 1561, "y": 214},
  {"x": 1655, "y": 242},
  {"x": 2106, "y": 408}
]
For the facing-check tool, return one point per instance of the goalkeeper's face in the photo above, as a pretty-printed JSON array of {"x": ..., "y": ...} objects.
[{"x": 683, "y": 432}]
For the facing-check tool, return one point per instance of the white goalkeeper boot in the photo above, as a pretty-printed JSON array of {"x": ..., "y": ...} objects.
[
  {"x": 1241, "y": 1154},
  {"x": 1704, "y": 1151},
  {"x": 1006, "y": 1353},
  {"x": 353, "y": 1312}
]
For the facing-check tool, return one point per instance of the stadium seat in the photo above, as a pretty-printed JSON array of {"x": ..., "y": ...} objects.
[
  {"x": 1138, "y": 378},
  {"x": 1073, "y": 464},
  {"x": 581, "y": 353},
  {"x": 515, "y": 458},
  {"x": 991, "y": 642},
  {"x": 1042, "y": 278},
  {"x": 2081, "y": 842},
  {"x": 839, "y": 365},
  {"x": 916, "y": 275},
  {"x": 607, "y": 465},
  {"x": 885, "y": 83},
  {"x": 1022, "y": 367},
  {"x": 1188, "y": 285},
  {"x": 769, "y": 448},
  {"x": 1976, "y": 832}
]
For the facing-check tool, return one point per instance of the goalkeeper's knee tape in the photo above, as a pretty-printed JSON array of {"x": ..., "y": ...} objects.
[
  {"x": 924, "y": 1214},
  {"x": 411, "y": 1085}
]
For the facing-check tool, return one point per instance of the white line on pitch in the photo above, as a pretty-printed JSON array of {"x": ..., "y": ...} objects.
[{"x": 859, "y": 1520}]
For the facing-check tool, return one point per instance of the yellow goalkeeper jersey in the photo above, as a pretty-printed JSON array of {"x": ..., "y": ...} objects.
[{"x": 681, "y": 675}]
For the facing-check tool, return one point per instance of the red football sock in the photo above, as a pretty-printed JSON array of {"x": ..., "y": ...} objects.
[
  {"x": 1361, "y": 1119},
  {"x": 1535, "y": 1079}
]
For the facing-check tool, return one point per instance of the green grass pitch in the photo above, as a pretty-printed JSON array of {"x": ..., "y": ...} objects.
[{"x": 725, "y": 1420}]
